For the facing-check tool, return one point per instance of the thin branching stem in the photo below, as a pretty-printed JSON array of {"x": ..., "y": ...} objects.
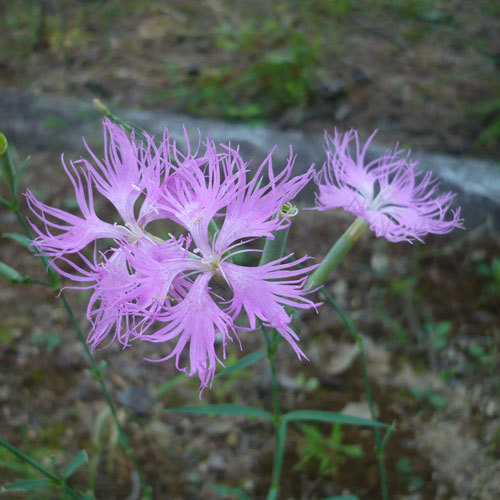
[
  {"x": 26, "y": 458},
  {"x": 274, "y": 249},
  {"x": 279, "y": 425},
  {"x": 58, "y": 482},
  {"x": 380, "y": 443},
  {"x": 97, "y": 373},
  {"x": 96, "y": 369}
]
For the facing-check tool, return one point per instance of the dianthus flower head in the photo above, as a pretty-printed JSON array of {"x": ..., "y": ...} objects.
[
  {"x": 163, "y": 291},
  {"x": 400, "y": 202}
]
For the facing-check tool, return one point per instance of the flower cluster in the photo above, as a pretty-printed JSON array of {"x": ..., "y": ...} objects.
[
  {"x": 163, "y": 290},
  {"x": 399, "y": 202}
]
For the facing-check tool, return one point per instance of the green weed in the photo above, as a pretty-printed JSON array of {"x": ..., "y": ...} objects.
[
  {"x": 438, "y": 334},
  {"x": 430, "y": 397},
  {"x": 491, "y": 271},
  {"x": 330, "y": 452},
  {"x": 47, "y": 341},
  {"x": 406, "y": 471},
  {"x": 280, "y": 73}
]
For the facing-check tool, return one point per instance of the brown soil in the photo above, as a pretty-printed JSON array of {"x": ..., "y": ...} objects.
[
  {"x": 424, "y": 73},
  {"x": 52, "y": 406},
  {"x": 415, "y": 79}
]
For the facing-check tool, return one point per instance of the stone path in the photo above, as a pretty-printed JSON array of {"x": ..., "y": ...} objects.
[{"x": 45, "y": 123}]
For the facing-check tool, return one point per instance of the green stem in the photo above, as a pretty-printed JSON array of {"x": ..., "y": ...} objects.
[
  {"x": 339, "y": 250},
  {"x": 58, "y": 482},
  {"x": 5, "y": 203},
  {"x": 97, "y": 371},
  {"x": 275, "y": 249},
  {"x": 279, "y": 455},
  {"x": 7, "y": 170},
  {"x": 39, "y": 282},
  {"x": 380, "y": 443},
  {"x": 105, "y": 111},
  {"x": 279, "y": 425},
  {"x": 124, "y": 442},
  {"x": 274, "y": 379},
  {"x": 29, "y": 460}
]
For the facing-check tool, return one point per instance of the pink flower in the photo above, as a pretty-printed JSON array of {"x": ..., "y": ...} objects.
[
  {"x": 247, "y": 208},
  {"x": 127, "y": 171},
  {"x": 163, "y": 291},
  {"x": 400, "y": 202}
]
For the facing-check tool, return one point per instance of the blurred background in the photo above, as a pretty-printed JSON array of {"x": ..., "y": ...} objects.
[
  {"x": 424, "y": 71},
  {"x": 426, "y": 74}
]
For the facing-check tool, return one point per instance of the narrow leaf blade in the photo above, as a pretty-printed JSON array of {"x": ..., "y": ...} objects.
[
  {"x": 19, "y": 238},
  {"x": 10, "y": 274},
  {"x": 331, "y": 417},
  {"x": 80, "y": 459},
  {"x": 223, "y": 409},
  {"x": 242, "y": 363},
  {"x": 228, "y": 490},
  {"x": 19, "y": 173},
  {"x": 28, "y": 484},
  {"x": 342, "y": 497}
]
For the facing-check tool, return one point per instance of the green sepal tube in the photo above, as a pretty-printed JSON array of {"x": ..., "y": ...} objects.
[
  {"x": 274, "y": 249},
  {"x": 10, "y": 274},
  {"x": 338, "y": 251},
  {"x": 7, "y": 170}
]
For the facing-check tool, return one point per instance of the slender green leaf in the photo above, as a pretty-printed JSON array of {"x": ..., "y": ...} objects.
[
  {"x": 387, "y": 435},
  {"x": 243, "y": 363},
  {"x": 342, "y": 497},
  {"x": 279, "y": 457},
  {"x": 10, "y": 274},
  {"x": 28, "y": 484},
  {"x": 78, "y": 461},
  {"x": 3, "y": 144},
  {"x": 26, "y": 458},
  {"x": 331, "y": 417},
  {"x": 18, "y": 238},
  {"x": 6, "y": 168},
  {"x": 86, "y": 496},
  {"x": 5, "y": 203},
  {"x": 223, "y": 409},
  {"x": 19, "y": 174},
  {"x": 228, "y": 490}
]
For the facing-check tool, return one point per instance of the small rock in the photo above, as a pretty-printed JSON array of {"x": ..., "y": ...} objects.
[
  {"x": 342, "y": 360},
  {"x": 342, "y": 112},
  {"x": 331, "y": 90},
  {"x": 287, "y": 382},
  {"x": 339, "y": 291},
  {"x": 136, "y": 399},
  {"x": 219, "y": 427},
  {"x": 216, "y": 462},
  {"x": 98, "y": 89},
  {"x": 358, "y": 409},
  {"x": 291, "y": 118},
  {"x": 193, "y": 70},
  {"x": 379, "y": 262},
  {"x": 491, "y": 408},
  {"x": 359, "y": 76}
]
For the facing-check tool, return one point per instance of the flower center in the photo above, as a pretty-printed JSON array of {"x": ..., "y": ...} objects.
[
  {"x": 135, "y": 232},
  {"x": 381, "y": 198},
  {"x": 211, "y": 262}
]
